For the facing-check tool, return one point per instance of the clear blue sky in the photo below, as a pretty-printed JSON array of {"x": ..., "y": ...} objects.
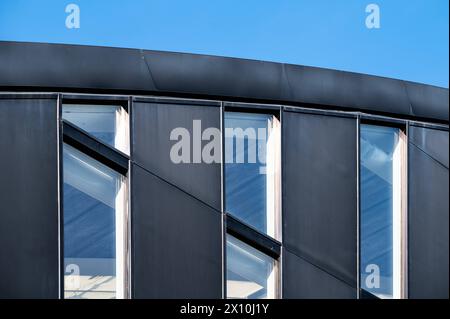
[{"x": 412, "y": 43}]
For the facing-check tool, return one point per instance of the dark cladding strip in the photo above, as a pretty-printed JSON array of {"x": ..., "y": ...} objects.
[
  {"x": 94, "y": 148},
  {"x": 252, "y": 237},
  {"x": 364, "y": 294},
  {"x": 41, "y": 66}
]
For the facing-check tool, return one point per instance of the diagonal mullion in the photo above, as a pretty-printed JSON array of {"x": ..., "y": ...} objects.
[
  {"x": 95, "y": 148},
  {"x": 253, "y": 237}
]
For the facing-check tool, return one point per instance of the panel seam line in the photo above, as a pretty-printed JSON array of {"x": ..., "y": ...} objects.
[
  {"x": 319, "y": 267},
  {"x": 177, "y": 187},
  {"x": 428, "y": 155}
]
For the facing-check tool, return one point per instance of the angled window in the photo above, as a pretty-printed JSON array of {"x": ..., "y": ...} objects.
[
  {"x": 382, "y": 211},
  {"x": 252, "y": 170},
  {"x": 95, "y": 209},
  {"x": 251, "y": 274},
  {"x": 108, "y": 123}
]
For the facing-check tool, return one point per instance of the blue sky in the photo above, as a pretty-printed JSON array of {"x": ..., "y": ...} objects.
[{"x": 412, "y": 43}]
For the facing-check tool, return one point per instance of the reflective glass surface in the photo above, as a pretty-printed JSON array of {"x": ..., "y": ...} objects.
[
  {"x": 250, "y": 273},
  {"x": 108, "y": 123},
  {"x": 90, "y": 217},
  {"x": 377, "y": 147},
  {"x": 250, "y": 158}
]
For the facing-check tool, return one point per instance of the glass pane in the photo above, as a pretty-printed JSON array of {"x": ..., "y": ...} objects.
[
  {"x": 108, "y": 123},
  {"x": 251, "y": 169},
  {"x": 91, "y": 213},
  {"x": 250, "y": 273},
  {"x": 378, "y": 146}
]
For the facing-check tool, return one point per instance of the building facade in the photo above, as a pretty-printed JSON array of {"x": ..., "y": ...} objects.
[{"x": 143, "y": 174}]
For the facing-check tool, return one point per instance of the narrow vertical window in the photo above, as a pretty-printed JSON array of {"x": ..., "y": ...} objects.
[
  {"x": 252, "y": 204},
  {"x": 382, "y": 211},
  {"x": 251, "y": 274},
  {"x": 252, "y": 170},
  {"x": 95, "y": 201},
  {"x": 94, "y": 229}
]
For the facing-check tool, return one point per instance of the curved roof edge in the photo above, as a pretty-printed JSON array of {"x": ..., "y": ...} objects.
[{"x": 43, "y": 66}]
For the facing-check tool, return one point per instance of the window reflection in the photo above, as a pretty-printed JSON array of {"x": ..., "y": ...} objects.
[
  {"x": 94, "y": 208},
  {"x": 250, "y": 273},
  {"x": 252, "y": 169},
  {"x": 108, "y": 123},
  {"x": 381, "y": 210}
]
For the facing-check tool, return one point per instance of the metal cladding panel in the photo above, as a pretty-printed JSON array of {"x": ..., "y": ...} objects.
[
  {"x": 29, "y": 198},
  {"x": 347, "y": 89},
  {"x": 432, "y": 142},
  {"x": 320, "y": 191},
  {"x": 428, "y": 101},
  {"x": 152, "y": 125},
  {"x": 428, "y": 222},
  {"x": 303, "y": 280},
  {"x": 72, "y": 66},
  {"x": 50, "y": 66},
  {"x": 216, "y": 76},
  {"x": 176, "y": 242}
]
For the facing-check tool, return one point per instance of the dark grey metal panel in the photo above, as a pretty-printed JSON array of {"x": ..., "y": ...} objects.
[
  {"x": 427, "y": 101},
  {"x": 215, "y": 75},
  {"x": 349, "y": 90},
  {"x": 320, "y": 191},
  {"x": 303, "y": 280},
  {"x": 176, "y": 242},
  {"x": 29, "y": 199},
  {"x": 72, "y": 66},
  {"x": 428, "y": 219},
  {"x": 40, "y": 65},
  {"x": 152, "y": 124},
  {"x": 432, "y": 142}
]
